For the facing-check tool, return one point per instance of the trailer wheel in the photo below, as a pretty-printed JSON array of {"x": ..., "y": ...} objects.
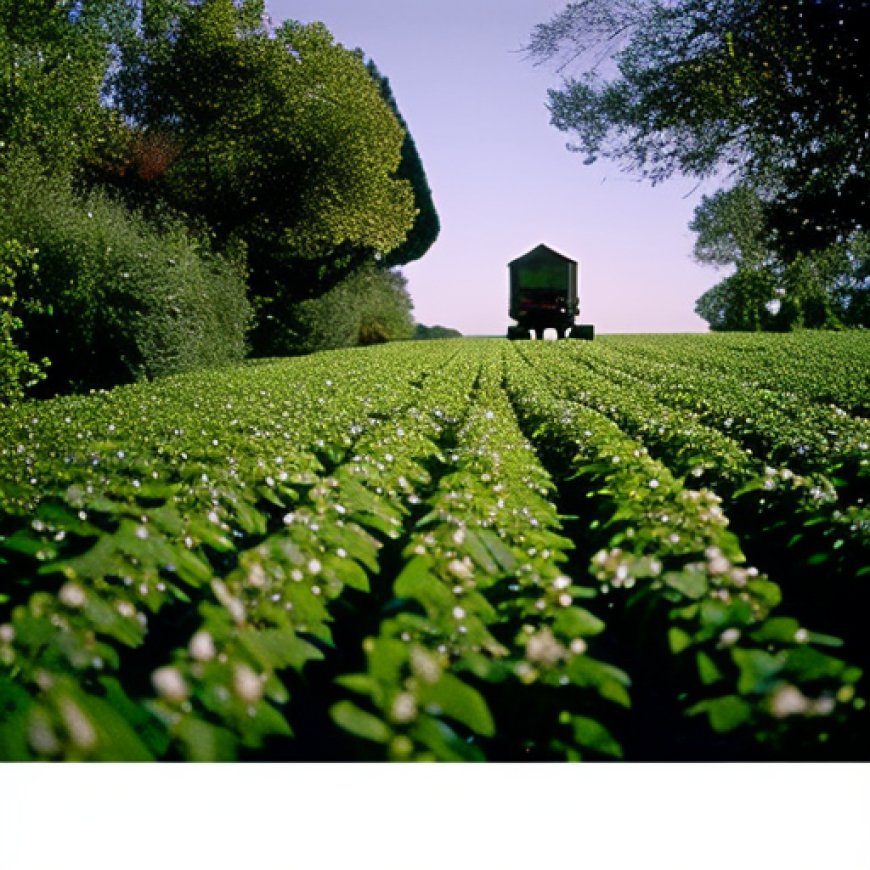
[
  {"x": 583, "y": 331},
  {"x": 517, "y": 333}
]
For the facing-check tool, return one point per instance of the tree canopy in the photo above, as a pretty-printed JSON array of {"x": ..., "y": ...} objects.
[
  {"x": 274, "y": 158},
  {"x": 775, "y": 94},
  {"x": 816, "y": 288},
  {"x": 426, "y": 227},
  {"x": 280, "y": 138}
]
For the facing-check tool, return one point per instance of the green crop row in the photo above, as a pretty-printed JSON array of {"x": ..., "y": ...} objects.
[
  {"x": 670, "y": 547},
  {"x": 807, "y": 511},
  {"x": 823, "y": 367},
  {"x": 482, "y": 598},
  {"x": 450, "y": 550},
  {"x": 775, "y": 424}
]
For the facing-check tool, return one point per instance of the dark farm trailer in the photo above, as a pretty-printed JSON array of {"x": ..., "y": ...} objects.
[{"x": 543, "y": 295}]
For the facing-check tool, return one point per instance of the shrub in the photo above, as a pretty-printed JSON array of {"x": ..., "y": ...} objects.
[
  {"x": 116, "y": 298},
  {"x": 17, "y": 371},
  {"x": 371, "y": 306}
]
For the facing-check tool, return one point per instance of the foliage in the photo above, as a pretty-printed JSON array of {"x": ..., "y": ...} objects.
[
  {"x": 53, "y": 65},
  {"x": 17, "y": 371},
  {"x": 114, "y": 298},
  {"x": 742, "y": 302},
  {"x": 820, "y": 289},
  {"x": 454, "y": 551},
  {"x": 422, "y": 332},
  {"x": 426, "y": 227},
  {"x": 279, "y": 140},
  {"x": 371, "y": 306},
  {"x": 774, "y": 93}
]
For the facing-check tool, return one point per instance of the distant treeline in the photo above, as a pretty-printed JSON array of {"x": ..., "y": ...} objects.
[
  {"x": 182, "y": 184},
  {"x": 428, "y": 332}
]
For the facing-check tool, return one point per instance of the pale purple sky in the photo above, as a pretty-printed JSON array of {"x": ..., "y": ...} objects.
[{"x": 502, "y": 178}]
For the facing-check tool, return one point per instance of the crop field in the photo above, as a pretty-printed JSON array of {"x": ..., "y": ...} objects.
[{"x": 643, "y": 547}]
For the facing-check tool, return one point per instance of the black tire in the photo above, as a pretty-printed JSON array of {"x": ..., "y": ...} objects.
[{"x": 583, "y": 331}]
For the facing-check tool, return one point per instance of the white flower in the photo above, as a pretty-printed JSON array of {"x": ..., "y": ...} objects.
[
  {"x": 460, "y": 569},
  {"x": 41, "y": 735},
  {"x": 789, "y": 701},
  {"x": 202, "y": 647},
  {"x": 246, "y": 684},
  {"x": 170, "y": 684},
  {"x": 257, "y": 575},
  {"x": 72, "y": 595},
  {"x": 403, "y": 708},
  {"x": 425, "y": 665},
  {"x": 543, "y": 648},
  {"x": 81, "y": 731},
  {"x": 729, "y": 637}
]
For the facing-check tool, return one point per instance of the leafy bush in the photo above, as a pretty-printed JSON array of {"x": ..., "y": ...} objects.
[
  {"x": 371, "y": 306},
  {"x": 17, "y": 372},
  {"x": 115, "y": 298}
]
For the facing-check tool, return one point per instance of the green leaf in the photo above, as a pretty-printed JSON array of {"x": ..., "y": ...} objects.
[
  {"x": 593, "y": 735},
  {"x": 757, "y": 669},
  {"x": 386, "y": 658},
  {"x": 608, "y": 681},
  {"x": 279, "y": 648},
  {"x": 707, "y": 669},
  {"x": 204, "y": 741},
  {"x": 347, "y": 715},
  {"x": 807, "y": 663},
  {"x": 777, "y": 629},
  {"x": 499, "y": 551},
  {"x": 693, "y": 584},
  {"x": 362, "y": 684},
  {"x": 725, "y": 714},
  {"x": 678, "y": 640},
  {"x": 107, "y": 620},
  {"x": 191, "y": 568},
  {"x": 443, "y": 741},
  {"x": 767, "y": 590},
  {"x": 577, "y": 622},
  {"x": 474, "y": 546},
  {"x": 417, "y": 581},
  {"x": 451, "y": 697}
]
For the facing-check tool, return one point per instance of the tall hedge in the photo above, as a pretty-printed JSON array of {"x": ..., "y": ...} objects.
[
  {"x": 371, "y": 306},
  {"x": 116, "y": 297}
]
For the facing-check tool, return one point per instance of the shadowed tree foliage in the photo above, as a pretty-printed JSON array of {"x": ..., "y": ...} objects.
[
  {"x": 776, "y": 93},
  {"x": 277, "y": 140},
  {"x": 825, "y": 288},
  {"x": 425, "y": 333},
  {"x": 424, "y": 232},
  {"x": 370, "y": 306}
]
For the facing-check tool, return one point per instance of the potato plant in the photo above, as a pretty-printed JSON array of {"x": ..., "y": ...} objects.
[{"x": 456, "y": 550}]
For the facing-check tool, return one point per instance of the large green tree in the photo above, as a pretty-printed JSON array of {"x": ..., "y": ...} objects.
[
  {"x": 279, "y": 141},
  {"x": 817, "y": 288},
  {"x": 776, "y": 94},
  {"x": 426, "y": 227},
  {"x": 53, "y": 61}
]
